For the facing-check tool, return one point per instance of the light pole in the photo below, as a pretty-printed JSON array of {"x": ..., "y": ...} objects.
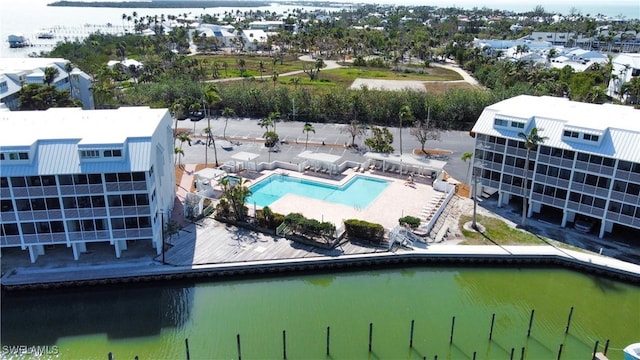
[{"x": 162, "y": 235}]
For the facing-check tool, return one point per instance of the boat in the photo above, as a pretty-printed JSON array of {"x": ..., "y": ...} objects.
[
  {"x": 632, "y": 352},
  {"x": 17, "y": 41},
  {"x": 45, "y": 35}
]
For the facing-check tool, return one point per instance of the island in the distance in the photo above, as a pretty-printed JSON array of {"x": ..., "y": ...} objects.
[{"x": 172, "y": 4}]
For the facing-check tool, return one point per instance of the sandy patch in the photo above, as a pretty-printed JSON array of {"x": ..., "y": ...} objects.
[{"x": 394, "y": 85}]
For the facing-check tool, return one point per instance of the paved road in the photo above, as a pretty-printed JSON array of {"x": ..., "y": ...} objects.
[{"x": 247, "y": 132}]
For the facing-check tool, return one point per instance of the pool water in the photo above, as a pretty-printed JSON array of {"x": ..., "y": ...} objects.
[{"x": 358, "y": 192}]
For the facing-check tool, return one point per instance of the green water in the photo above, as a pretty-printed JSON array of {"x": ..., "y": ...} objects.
[{"x": 153, "y": 321}]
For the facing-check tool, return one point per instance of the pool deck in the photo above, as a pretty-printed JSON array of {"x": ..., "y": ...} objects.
[
  {"x": 212, "y": 247},
  {"x": 397, "y": 199}
]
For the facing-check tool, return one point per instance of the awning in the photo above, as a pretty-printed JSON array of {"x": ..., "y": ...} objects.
[
  {"x": 321, "y": 161},
  {"x": 244, "y": 156},
  {"x": 407, "y": 162}
]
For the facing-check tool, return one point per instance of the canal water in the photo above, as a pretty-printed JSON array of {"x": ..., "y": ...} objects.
[{"x": 151, "y": 321}]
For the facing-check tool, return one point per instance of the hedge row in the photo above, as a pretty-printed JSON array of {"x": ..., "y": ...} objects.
[{"x": 364, "y": 230}]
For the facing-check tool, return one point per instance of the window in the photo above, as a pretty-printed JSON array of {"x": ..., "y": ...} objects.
[
  {"x": 19, "y": 156},
  {"x": 151, "y": 171},
  {"x": 628, "y": 210},
  {"x": 590, "y": 137},
  {"x": 4, "y": 182},
  {"x": 80, "y": 179},
  {"x": 28, "y": 228},
  {"x": 138, "y": 176},
  {"x": 18, "y": 181},
  {"x": 33, "y": 180},
  {"x": 101, "y": 224},
  {"x": 69, "y": 202},
  {"x": 57, "y": 226},
  {"x": 6, "y": 205},
  {"x": 124, "y": 177},
  {"x": 142, "y": 199},
  {"x": 131, "y": 222},
  {"x": 111, "y": 177},
  {"x": 65, "y": 179},
  {"x": 48, "y": 180},
  {"x": 571, "y": 134},
  {"x": 128, "y": 200},
  {"x": 97, "y": 201},
  {"x": 565, "y": 174},
  {"x": 94, "y": 178},
  {"x": 52, "y": 203},
  {"x": 568, "y": 154},
  {"x": 144, "y": 221},
  {"x": 23, "y": 205},
  {"x": 87, "y": 225},
  {"x": 517, "y": 125},
  {"x": 38, "y": 204},
  {"x": 84, "y": 202},
  {"x": 117, "y": 223},
  {"x": 114, "y": 200},
  {"x": 43, "y": 227},
  {"x": 624, "y": 165},
  {"x": 10, "y": 229},
  {"x": 112, "y": 153},
  {"x": 89, "y": 154}
]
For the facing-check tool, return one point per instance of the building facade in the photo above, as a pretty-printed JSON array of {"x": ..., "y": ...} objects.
[
  {"x": 74, "y": 177},
  {"x": 17, "y": 71},
  {"x": 587, "y": 168}
]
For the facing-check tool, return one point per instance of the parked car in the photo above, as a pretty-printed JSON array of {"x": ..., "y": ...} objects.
[
  {"x": 183, "y": 116},
  {"x": 584, "y": 226},
  {"x": 196, "y": 115}
]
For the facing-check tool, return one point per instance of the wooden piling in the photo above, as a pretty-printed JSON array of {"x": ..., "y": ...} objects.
[
  {"x": 522, "y": 353},
  {"x": 493, "y": 320},
  {"x": 606, "y": 347},
  {"x": 595, "y": 349},
  {"x": 284, "y": 344},
  {"x": 530, "y": 323},
  {"x": 411, "y": 336},
  {"x": 453, "y": 324},
  {"x": 512, "y": 351},
  {"x": 559, "y": 352},
  {"x": 328, "y": 338},
  {"x": 370, "y": 335},
  {"x": 566, "y": 330},
  {"x": 474, "y": 355},
  {"x": 110, "y": 356},
  {"x": 239, "y": 349},
  {"x": 186, "y": 344}
]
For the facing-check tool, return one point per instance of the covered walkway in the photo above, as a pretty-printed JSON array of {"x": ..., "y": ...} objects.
[{"x": 406, "y": 164}]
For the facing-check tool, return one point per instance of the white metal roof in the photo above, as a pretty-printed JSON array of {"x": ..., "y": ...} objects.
[
  {"x": 57, "y": 135},
  {"x": 551, "y": 115}
]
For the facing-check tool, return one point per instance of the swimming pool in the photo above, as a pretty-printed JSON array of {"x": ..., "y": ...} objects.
[{"x": 358, "y": 192}]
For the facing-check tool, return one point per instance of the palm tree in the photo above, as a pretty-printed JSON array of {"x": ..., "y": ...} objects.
[
  {"x": 210, "y": 137},
  {"x": 179, "y": 154},
  {"x": 68, "y": 68},
  {"x": 308, "y": 128},
  {"x": 467, "y": 156},
  {"x": 405, "y": 112},
  {"x": 50, "y": 74},
  {"x": 184, "y": 137},
  {"x": 210, "y": 96},
  {"x": 236, "y": 194},
  {"x": 227, "y": 113},
  {"x": 531, "y": 141}
]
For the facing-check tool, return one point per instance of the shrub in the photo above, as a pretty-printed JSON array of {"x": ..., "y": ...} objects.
[
  {"x": 303, "y": 226},
  {"x": 411, "y": 221},
  {"x": 268, "y": 219},
  {"x": 364, "y": 230}
]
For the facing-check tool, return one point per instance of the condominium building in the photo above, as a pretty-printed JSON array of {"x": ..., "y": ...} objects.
[
  {"x": 73, "y": 177},
  {"x": 14, "y": 72},
  {"x": 587, "y": 168}
]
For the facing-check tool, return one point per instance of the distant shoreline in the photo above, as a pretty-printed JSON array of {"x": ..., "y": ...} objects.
[{"x": 176, "y": 4}]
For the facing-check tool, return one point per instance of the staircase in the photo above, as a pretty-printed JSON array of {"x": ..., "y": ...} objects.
[{"x": 446, "y": 222}]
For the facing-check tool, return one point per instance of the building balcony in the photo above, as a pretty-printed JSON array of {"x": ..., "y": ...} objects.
[
  {"x": 10, "y": 240},
  {"x": 5, "y": 193},
  {"x": 7, "y": 216}
]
